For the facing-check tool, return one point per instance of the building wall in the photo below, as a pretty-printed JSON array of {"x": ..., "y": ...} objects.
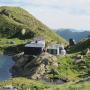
[
  {"x": 57, "y": 51},
  {"x": 33, "y": 50},
  {"x": 52, "y": 51}
]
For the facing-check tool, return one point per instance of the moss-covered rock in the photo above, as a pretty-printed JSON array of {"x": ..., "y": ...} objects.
[{"x": 35, "y": 67}]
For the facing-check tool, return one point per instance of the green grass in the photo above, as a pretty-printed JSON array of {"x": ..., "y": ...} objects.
[
  {"x": 70, "y": 70},
  {"x": 24, "y": 83},
  {"x": 11, "y": 25},
  {"x": 5, "y": 43},
  {"x": 66, "y": 67}
]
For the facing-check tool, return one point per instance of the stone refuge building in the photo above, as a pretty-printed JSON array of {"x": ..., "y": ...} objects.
[
  {"x": 56, "y": 49},
  {"x": 37, "y": 46}
]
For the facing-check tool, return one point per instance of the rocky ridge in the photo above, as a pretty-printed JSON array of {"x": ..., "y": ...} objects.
[{"x": 34, "y": 67}]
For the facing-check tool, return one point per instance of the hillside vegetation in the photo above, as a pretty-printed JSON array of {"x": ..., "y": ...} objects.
[
  {"x": 24, "y": 83},
  {"x": 81, "y": 46},
  {"x": 15, "y": 22}
]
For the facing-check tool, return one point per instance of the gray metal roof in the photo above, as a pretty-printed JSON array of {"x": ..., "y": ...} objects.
[{"x": 40, "y": 43}]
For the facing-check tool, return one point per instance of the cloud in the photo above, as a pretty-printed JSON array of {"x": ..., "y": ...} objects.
[
  {"x": 70, "y": 6},
  {"x": 62, "y": 19},
  {"x": 63, "y": 13},
  {"x": 10, "y": 1},
  {"x": 57, "y": 13},
  {"x": 67, "y": 5}
]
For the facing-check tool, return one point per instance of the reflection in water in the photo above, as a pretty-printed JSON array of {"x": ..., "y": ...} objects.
[{"x": 6, "y": 63}]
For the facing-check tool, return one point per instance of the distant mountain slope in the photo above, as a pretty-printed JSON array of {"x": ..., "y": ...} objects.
[
  {"x": 15, "y": 22},
  {"x": 67, "y": 34},
  {"x": 81, "y": 46}
]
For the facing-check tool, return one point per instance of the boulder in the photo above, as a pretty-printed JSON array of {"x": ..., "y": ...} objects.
[
  {"x": 79, "y": 59},
  {"x": 35, "y": 67}
]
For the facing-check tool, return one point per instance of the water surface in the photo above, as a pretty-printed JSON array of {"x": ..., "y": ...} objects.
[{"x": 6, "y": 63}]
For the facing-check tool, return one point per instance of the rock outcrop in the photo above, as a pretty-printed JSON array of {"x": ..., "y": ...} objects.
[{"x": 34, "y": 67}]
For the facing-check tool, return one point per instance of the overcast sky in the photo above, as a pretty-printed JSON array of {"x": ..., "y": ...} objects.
[{"x": 57, "y": 13}]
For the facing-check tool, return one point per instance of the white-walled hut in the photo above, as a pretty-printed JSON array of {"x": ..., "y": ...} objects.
[
  {"x": 56, "y": 49},
  {"x": 36, "y": 47}
]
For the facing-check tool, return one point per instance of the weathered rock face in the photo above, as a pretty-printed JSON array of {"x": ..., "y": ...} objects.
[
  {"x": 35, "y": 67},
  {"x": 79, "y": 59}
]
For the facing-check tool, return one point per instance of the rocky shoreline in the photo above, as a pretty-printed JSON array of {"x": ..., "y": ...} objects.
[{"x": 42, "y": 67}]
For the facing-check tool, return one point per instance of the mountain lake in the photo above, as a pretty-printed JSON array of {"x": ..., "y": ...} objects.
[{"x": 6, "y": 63}]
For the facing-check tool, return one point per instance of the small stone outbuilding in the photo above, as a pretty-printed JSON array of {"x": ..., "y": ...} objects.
[
  {"x": 56, "y": 49},
  {"x": 36, "y": 47}
]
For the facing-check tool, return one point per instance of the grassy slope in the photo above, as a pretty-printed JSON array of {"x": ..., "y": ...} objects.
[
  {"x": 23, "y": 84},
  {"x": 19, "y": 19},
  {"x": 71, "y": 70},
  {"x": 5, "y": 43}
]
